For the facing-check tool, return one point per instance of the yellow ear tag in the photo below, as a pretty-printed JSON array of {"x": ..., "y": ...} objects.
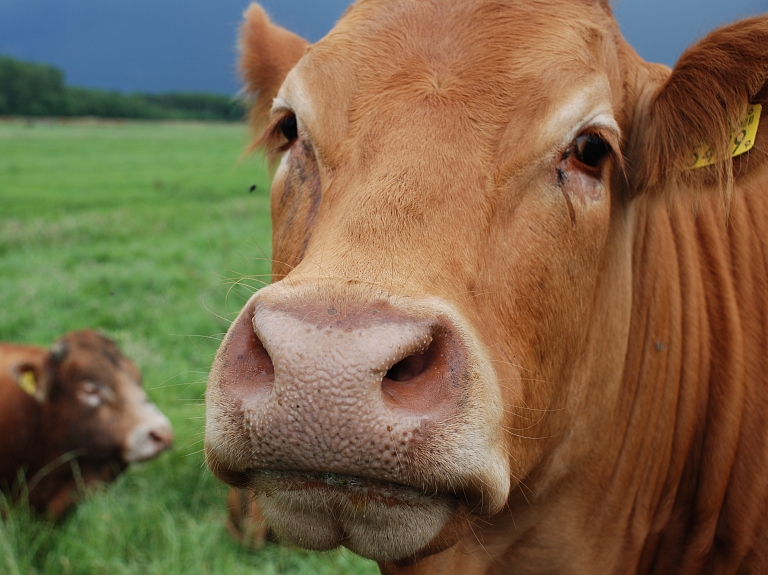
[
  {"x": 27, "y": 383},
  {"x": 741, "y": 141}
]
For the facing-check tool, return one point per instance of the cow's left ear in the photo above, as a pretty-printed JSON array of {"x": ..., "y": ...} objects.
[
  {"x": 700, "y": 130},
  {"x": 32, "y": 379},
  {"x": 267, "y": 54}
]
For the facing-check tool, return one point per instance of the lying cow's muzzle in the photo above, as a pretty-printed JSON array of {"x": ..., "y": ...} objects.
[
  {"x": 151, "y": 436},
  {"x": 355, "y": 417}
]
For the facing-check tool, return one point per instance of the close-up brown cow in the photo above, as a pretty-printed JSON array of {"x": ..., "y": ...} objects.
[
  {"x": 72, "y": 416},
  {"x": 519, "y": 318}
]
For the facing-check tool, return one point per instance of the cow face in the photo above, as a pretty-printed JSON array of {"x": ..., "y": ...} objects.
[
  {"x": 452, "y": 250},
  {"x": 93, "y": 403},
  {"x": 444, "y": 223}
]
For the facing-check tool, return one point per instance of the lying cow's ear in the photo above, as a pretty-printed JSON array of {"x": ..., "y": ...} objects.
[
  {"x": 700, "y": 130},
  {"x": 32, "y": 379},
  {"x": 267, "y": 54},
  {"x": 58, "y": 352}
]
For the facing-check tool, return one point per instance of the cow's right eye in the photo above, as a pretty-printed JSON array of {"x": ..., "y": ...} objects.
[
  {"x": 590, "y": 150},
  {"x": 90, "y": 394},
  {"x": 289, "y": 128}
]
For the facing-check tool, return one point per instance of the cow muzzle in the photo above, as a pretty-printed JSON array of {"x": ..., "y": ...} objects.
[
  {"x": 366, "y": 423},
  {"x": 151, "y": 435}
]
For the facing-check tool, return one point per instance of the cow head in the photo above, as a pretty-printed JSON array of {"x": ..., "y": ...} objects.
[
  {"x": 452, "y": 251},
  {"x": 92, "y": 402}
]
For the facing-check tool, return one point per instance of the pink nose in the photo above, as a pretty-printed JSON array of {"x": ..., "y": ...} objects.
[
  {"x": 162, "y": 437},
  {"x": 349, "y": 389},
  {"x": 150, "y": 437}
]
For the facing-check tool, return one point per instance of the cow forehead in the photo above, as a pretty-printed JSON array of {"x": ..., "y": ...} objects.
[
  {"x": 99, "y": 360},
  {"x": 450, "y": 64}
]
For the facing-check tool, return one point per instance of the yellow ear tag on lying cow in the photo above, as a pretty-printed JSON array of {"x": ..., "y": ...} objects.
[
  {"x": 28, "y": 383},
  {"x": 741, "y": 141}
]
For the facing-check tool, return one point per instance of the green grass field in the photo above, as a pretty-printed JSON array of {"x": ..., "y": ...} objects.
[{"x": 147, "y": 232}]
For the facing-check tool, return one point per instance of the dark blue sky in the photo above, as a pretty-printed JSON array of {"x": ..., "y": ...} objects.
[{"x": 189, "y": 45}]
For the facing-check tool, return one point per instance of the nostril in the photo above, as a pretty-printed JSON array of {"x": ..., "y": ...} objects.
[
  {"x": 410, "y": 367},
  {"x": 156, "y": 438},
  {"x": 428, "y": 382},
  {"x": 246, "y": 364},
  {"x": 162, "y": 438},
  {"x": 258, "y": 361},
  {"x": 418, "y": 382}
]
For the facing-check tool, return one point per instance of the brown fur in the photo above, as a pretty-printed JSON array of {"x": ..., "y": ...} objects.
[{"x": 621, "y": 311}]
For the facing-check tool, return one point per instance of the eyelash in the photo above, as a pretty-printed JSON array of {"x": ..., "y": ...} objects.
[
  {"x": 289, "y": 128},
  {"x": 591, "y": 150},
  {"x": 280, "y": 135},
  {"x": 588, "y": 153}
]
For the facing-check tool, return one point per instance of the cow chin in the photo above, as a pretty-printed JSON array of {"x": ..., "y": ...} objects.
[{"x": 377, "y": 520}]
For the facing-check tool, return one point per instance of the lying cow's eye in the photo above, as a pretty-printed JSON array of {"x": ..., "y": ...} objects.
[
  {"x": 289, "y": 128},
  {"x": 590, "y": 149},
  {"x": 90, "y": 394}
]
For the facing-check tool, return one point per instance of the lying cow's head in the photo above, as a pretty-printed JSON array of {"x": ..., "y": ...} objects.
[
  {"x": 92, "y": 403},
  {"x": 452, "y": 248}
]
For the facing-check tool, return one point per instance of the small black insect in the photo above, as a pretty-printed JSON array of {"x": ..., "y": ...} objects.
[{"x": 253, "y": 188}]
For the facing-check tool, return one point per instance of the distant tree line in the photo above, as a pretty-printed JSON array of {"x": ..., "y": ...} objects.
[{"x": 28, "y": 89}]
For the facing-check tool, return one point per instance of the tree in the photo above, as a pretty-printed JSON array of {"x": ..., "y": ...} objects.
[{"x": 28, "y": 89}]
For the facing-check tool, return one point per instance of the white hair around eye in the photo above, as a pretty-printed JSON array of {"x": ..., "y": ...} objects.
[{"x": 90, "y": 394}]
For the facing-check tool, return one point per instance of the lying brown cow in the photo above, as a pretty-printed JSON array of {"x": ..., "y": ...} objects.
[
  {"x": 79, "y": 402},
  {"x": 520, "y": 318}
]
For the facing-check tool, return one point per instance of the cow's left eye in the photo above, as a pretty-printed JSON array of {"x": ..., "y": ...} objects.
[
  {"x": 590, "y": 150},
  {"x": 289, "y": 128}
]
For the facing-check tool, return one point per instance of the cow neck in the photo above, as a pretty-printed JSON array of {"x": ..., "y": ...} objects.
[
  {"x": 21, "y": 426},
  {"x": 697, "y": 342}
]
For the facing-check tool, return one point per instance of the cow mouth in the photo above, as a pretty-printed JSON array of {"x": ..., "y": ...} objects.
[
  {"x": 353, "y": 486},
  {"x": 270, "y": 481},
  {"x": 380, "y": 520}
]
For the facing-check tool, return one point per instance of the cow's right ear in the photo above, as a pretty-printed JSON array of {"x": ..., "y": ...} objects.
[
  {"x": 267, "y": 54},
  {"x": 33, "y": 379}
]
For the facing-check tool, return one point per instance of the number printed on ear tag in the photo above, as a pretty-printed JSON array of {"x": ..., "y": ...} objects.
[{"x": 741, "y": 141}]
